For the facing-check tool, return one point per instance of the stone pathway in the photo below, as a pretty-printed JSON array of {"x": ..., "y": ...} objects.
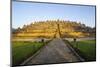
[{"x": 54, "y": 52}]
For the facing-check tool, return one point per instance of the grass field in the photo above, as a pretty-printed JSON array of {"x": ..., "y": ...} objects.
[
  {"x": 21, "y": 50},
  {"x": 86, "y": 48}
]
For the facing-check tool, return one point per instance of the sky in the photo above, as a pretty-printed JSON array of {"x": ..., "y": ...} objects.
[{"x": 27, "y": 12}]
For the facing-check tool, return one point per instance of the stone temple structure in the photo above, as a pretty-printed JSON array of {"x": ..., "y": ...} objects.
[{"x": 53, "y": 28}]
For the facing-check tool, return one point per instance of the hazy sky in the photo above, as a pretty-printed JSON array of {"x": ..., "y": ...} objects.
[{"x": 27, "y": 12}]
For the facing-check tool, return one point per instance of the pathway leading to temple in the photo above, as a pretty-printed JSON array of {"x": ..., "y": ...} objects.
[{"x": 54, "y": 52}]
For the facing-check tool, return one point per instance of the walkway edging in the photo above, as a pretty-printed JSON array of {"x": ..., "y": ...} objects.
[
  {"x": 74, "y": 51},
  {"x": 27, "y": 60}
]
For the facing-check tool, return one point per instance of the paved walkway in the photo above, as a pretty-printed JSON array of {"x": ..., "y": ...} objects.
[{"x": 54, "y": 52}]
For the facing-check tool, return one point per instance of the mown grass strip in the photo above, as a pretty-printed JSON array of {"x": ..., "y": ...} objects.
[
  {"x": 86, "y": 48},
  {"x": 21, "y": 50}
]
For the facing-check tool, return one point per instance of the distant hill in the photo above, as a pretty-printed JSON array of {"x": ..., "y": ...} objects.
[{"x": 51, "y": 28}]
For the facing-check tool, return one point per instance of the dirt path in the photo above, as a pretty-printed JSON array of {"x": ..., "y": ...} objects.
[{"x": 54, "y": 52}]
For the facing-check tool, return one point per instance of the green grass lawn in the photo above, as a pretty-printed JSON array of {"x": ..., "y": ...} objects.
[
  {"x": 21, "y": 50},
  {"x": 86, "y": 48}
]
